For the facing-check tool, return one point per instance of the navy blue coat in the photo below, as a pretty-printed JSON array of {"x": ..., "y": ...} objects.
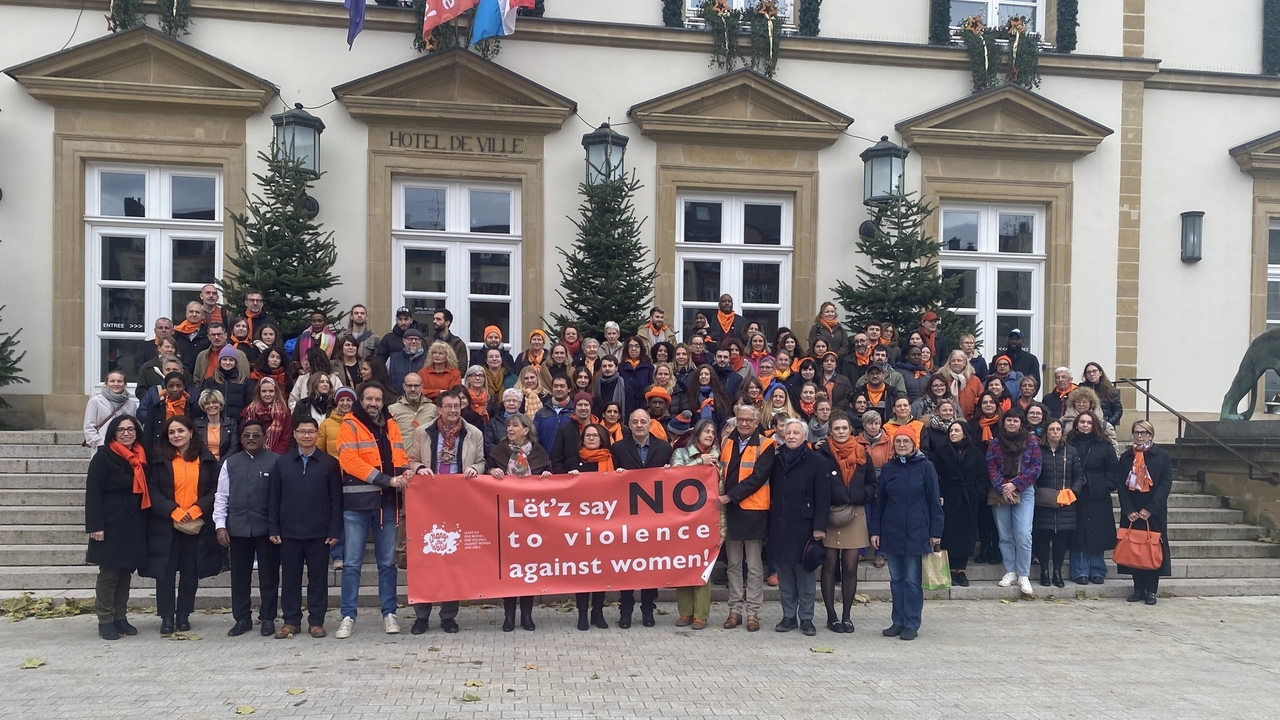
[
  {"x": 908, "y": 507},
  {"x": 306, "y": 504}
]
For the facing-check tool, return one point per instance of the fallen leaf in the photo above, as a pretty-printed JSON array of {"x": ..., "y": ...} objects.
[
  {"x": 511, "y": 690},
  {"x": 296, "y": 691},
  {"x": 661, "y": 612},
  {"x": 32, "y": 663},
  {"x": 395, "y": 666},
  {"x": 1005, "y": 601},
  {"x": 822, "y": 649},
  {"x": 183, "y": 636},
  {"x": 244, "y": 710},
  {"x": 434, "y": 648},
  {"x": 861, "y": 598},
  {"x": 530, "y": 666},
  {"x": 1080, "y": 594},
  {"x": 300, "y": 703},
  {"x": 595, "y": 676},
  {"x": 473, "y": 683},
  {"x": 468, "y": 697}
]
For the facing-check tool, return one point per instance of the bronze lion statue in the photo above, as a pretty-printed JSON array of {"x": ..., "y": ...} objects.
[{"x": 1263, "y": 355}]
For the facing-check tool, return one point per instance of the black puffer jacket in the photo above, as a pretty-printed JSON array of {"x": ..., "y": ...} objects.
[{"x": 1059, "y": 469}]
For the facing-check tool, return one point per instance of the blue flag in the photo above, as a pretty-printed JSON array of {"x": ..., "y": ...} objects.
[
  {"x": 496, "y": 17},
  {"x": 355, "y": 8}
]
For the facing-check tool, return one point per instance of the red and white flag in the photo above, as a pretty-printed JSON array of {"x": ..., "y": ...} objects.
[{"x": 442, "y": 11}]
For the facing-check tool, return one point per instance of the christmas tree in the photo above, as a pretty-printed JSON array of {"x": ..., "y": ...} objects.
[
  {"x": 280, "y": 249},
  {"x": 10, "y": 371},
  {"x": 903, "y": 281},
  {"x": 606, "y": 275}
]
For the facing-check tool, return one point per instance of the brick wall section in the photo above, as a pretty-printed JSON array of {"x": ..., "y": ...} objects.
[{"x": 1130, "y": 202}]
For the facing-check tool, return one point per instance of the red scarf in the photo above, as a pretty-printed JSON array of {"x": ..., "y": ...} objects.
[
  {"x": 807, "y": 408},
  {"x": 573, "y": 347},
  {"x": 726, "y": 321},
  {"x": 449, "y": 442},
  {"x": 930, "y": 339},
  {"x": 137, "y": 458},
  {"x": 735, "y": 362}
]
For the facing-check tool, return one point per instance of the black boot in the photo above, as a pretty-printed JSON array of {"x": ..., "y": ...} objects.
[
  {"x": 509, "y": 612},
  {"x": 526, "y": 620},
  {"x": 624, "y": 621},
  {"x": 1044, "y": 576},
  {"x": 108, "y": 631},
  {"x": 597, "y": 619},
  {"x": 1057, "y": 579},
  {"x": 124, "y": 628},
  {"x": 184, "y": 623},
  {"x": 583, "y": 623},
  {"x": 166, "y": 627}
]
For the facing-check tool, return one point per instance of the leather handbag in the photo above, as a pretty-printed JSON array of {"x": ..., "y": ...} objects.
[
  {"x": 840, "y": 516},
  {"x": 189, "y": 527},
  {"x": 1138, "y": 549},
  {"x": 1046, "y": 497}
]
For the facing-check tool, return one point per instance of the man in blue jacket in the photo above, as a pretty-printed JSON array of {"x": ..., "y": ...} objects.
[
  {"x": 305, "y": 516},
  {"x": 555, "y": 412}
]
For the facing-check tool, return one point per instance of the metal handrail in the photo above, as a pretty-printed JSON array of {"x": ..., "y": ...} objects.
[{"x": 1267, "y": 475}]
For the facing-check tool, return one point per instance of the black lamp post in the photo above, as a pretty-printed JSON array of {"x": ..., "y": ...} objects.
[
  {"x": 882, "y": 178},
  {"x": 298, "y": 137},
  {"x": 606, "y": 150}
]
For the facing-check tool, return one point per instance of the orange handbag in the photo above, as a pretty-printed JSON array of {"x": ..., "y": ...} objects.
[{"x": 1138, "y": 549}]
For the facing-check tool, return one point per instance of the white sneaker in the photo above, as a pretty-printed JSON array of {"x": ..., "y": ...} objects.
[
  {"x": 1008, "y": 580},
  {"x": 391, "y": 624},
  {"x": 345, "y": 628},
  {"x": 1024, "y": 584}
]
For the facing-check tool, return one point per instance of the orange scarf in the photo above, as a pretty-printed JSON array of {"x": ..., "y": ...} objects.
[
  {"x": 829, "y": 325},
  {"x": 601, "y": 457},
  {"x": 863, "y": 359},
  {"x": 1139, "y": 476},
  {"x": 782, "y": 374},
  {"x": 186, "y": 327},
  {"x": 633, "y": 363},
  {"x": 1005, "y": 404},
  {"x": 1062, "y": 394},
  {"x": 735, "y": 363},
  {"x": 726, "y": 321},
  {"x": 848, "y": 456},
  {"x": 137, "y": 458},
  {"x": 767, "y": 380},
  {"x": 186, "y": 488},
  {"x": 175, "y": 407},
  {"x": 653, "y": 331},
  {"x": 807, "y": 408},
  {"x": 986, "y": 423},
  {"x": 757, "y": 354},
  {"x": 528, "y": 356},
  {"x": 249, "y": 317},
  {"x": 656, "y": 430},
  {"x": 615, "y": 431},
  {"x": 873, "y": 395},
  {"x": 480, "y": 405}
]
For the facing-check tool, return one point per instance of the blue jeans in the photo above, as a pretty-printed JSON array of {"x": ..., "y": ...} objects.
[
  {"x": 1088, "y": 564},
  {"x": 1014, "y": 524},
  {"x": 798, "y": 589},
  {"x": 904, "y": 585},
  {"x": 338, "y": 551},
  {"x": 356, "y": 525}
]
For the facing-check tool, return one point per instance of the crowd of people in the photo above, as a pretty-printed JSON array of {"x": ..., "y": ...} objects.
[{"x": 243, "y": 449}]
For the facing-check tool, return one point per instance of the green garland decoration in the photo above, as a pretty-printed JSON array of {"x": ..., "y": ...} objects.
[
  {"x": 451, "y": 34},
  {"x": 939, "y": 22},
  {"x": 1011, "y": 50},
  {"x": 175, "y": 17},
  {"x": 808, "y": 22},
  {"x": 124, "y": 15},
  {"x": 984, "y": 55},
  {"x": 724, "y": 24},
  {"x": 1271, "y": 37},
  {"x": 766, "y": 36},
  {"x": 673, "y": 13},
  {"x": 1068, "y": 21}
]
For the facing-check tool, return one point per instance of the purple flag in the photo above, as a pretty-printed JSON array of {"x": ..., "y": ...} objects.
[{"x": 355, "y": 9}]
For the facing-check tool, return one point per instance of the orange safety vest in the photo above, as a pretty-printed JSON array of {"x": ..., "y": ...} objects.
[
  {"x": 358, "y": 453},
  {"x": 759, "y": 500}
]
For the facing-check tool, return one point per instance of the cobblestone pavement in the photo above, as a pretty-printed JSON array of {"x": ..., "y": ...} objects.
[{"x": 1186, "y": 658}]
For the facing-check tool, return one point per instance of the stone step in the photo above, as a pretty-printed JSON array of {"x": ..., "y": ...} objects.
[
  {"x": 45, "y": 451},
  {"x": 1222, "y": 549},
  {"x": 68, "y": 534},
  {"x": 20, "y": 577},
  {"x": 1181, "y": 568},
  {"x": 43, "y": 555},
  {"x": 1118, "y": 587},
  {"x": 40, "y": 515},
  {"x": 59, "y": 481},
  {"x": 1209, "y": 531},
  {"x": 41, "y": 466},
  {"x": 48, "y": 498},
  {"x": 41, "y": 437},
  {"x": 1186, "y": 500},
  {"x": 1183, "y": 485},
  {"x": 1180, "y": 515}
]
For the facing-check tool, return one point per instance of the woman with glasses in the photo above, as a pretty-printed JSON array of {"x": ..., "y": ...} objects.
[
  {"x": 1145, "y": 479},
  {"x": 116, "y": 499}
]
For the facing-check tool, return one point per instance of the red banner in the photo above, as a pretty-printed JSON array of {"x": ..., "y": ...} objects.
[
  {"x": 438, "y": 12},
  {"x": 490, "y": 538}
]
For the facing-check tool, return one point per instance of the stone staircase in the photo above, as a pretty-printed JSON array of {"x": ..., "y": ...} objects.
[{"x": 42, "y": 541}]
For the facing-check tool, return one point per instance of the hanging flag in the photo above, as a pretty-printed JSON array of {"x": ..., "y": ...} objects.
[
  {"x": 496, "y": 17},
  {"x": 438, "y": 12},
  {"x": 355, "y": 10}
]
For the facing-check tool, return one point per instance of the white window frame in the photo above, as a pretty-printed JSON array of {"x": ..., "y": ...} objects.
[
  {"x": 733, "y": 252},
  {"x": 988, "y": 261},
  {"x": 458, "y": 243},
  {"x": 993, "y": 11},
  {"x": 786, "y": 11},
  {"x": 159, "y": 231}
]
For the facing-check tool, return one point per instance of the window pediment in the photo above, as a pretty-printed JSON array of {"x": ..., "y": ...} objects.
[
  {"x": 741, "y": 108},
  {"x": 1261, "y": 157},
  {"x": 455, "y": 88},
  {"x": 143, "y": 68},
  {"x": 1004, "y": 121}
]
